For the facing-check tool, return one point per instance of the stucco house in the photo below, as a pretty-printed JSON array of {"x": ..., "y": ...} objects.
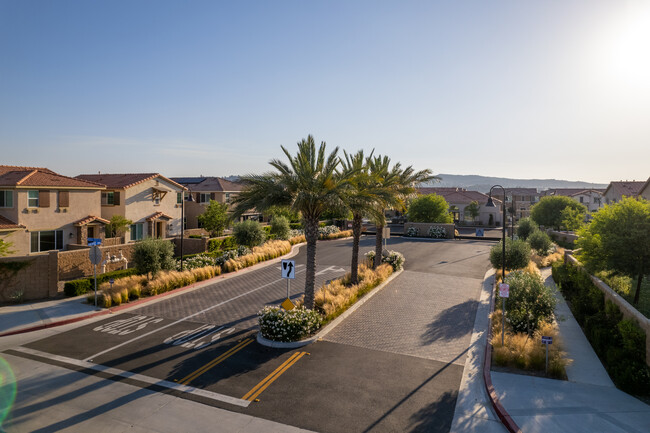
[
  {"x": 460, "y": 198},
  {"x": 150, "y": 200},
  {"x": 521, "y": 200},
  {"x": 645, "y": 190},
  {"x": 592, "y": 199},
  {"x": 41, "y": 210},
  {"x": 615, "y": 191}
]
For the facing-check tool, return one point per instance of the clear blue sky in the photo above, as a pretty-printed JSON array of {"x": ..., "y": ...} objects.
[{"x": 552, "y": 89}]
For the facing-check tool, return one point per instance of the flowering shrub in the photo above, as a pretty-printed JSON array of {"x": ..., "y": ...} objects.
[
  {"x": 279, "y": 325},
  {"x": 296, "y": 232},
  {"x": 393, "y": 258},
  {"x": 199, "y": 261},
  {"x": 437, "y": 232},
  {"x": 412, "y": 231},
  {"x": 327, "y": 230}
]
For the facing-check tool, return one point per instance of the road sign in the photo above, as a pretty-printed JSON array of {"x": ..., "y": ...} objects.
[
  {"x": 504, "y": 290},
  {"x": 547, "y": 340},
  {"x": 288, "y": 269},
  {"x": 94, "y": 241},
  {"x": 288, "y": 305},
  {"x": 386, "y": 233},
  {"x": 480, "y": 233},
  {"x": 95, "y": 255}
]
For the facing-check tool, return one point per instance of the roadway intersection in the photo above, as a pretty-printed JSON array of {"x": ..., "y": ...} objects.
[{"x": 394, "y": 365}]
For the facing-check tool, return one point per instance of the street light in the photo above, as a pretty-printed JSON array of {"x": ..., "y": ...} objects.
[
  {"x": 183, "y": 221},
  {"x": 490, "y": 203}
]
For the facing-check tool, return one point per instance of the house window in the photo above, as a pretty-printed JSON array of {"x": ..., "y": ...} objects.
[
  {"x": 32, "y": 198},
  {"x": 582, "y": 199},
  {"x": 204, "y": 198},
  {"x": 156, "y": 201},
  {"x": 179, "y": 198},
  {"x": 136, "y": 231},
  {"x": 46, "y": 241},
  {"x": 108, "y": 198},
  {"x": 227, "y": 197},
  {"x": 6, "y": 199}
]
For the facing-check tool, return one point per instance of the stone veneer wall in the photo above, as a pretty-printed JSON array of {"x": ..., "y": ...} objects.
[
  {"x": 76, "y": 263},
  {"x": 424, "y": 228},
  {"x": 190, "y": 246},
  {"x": 37, "y": 281}
]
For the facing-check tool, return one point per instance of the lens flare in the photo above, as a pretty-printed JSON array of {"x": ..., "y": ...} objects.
[{"x": 7, "y": 389}]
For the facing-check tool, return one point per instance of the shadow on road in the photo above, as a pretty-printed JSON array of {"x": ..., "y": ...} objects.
[{"x": 455, "y": 322}]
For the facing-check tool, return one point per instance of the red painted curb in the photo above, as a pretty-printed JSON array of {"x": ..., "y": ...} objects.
[{"x": 501, "y": 411}]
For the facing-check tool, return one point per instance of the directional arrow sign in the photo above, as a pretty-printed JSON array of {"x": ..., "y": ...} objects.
[{"x": 288, "y": 269}]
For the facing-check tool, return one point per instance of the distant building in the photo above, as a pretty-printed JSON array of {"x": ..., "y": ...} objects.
[
  {"x": 520, "y": 200},
  {"x": 617, "y": 190},
  {"x": 460, "y": 198},
  {"x": 592, "y": 199},
  {"x": 645, "y": 190}
]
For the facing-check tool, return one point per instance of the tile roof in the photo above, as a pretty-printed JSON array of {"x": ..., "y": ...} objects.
[
  {"x": 209, "y": 184},
  {"x": 40, "y": 177},
  {"x": 522, "y": 191},
  {"x": 7, "y": 224},
  {"x": 569, "y": 191},
  {"x": 158, "y": 215},
  {"x": 626, "y": 188},
  {"x": 123, "y": 180},
  {"x": 89, "y": 219}
]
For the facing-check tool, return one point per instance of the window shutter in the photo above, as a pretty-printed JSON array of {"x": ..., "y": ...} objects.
[
  {"x": 64, "y": 198},
  {"x": 44, "y": 198},
  {"x": 116, "y": 198}
]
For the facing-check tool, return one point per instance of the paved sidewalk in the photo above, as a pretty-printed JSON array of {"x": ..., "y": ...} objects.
[{"x": 587, "y": 402}]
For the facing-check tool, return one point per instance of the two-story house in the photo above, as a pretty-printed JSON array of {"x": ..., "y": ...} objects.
[
  {"x": 617, "y": 190},
  {"x": 151, "y": 201},
  {"x": 592, "y": 199},
  {"x": 459, "y": 199},
  {"x": 520, "y": 200},
  {"x": 645, "y": 190},
  {"x": 41, "y": 210}
]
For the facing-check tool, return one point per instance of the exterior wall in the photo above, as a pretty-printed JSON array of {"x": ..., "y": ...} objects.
[
  {"x": 20, "y": 240},
  {"x": 190, "y": 246},
  {"x": 565, "y": 236},
  {"x": 76, "y": 263},
  {"x": 192, "y": 212},
  {"x": 591, "y": 200},
  {"x": 610, "y": 197},
  {"x": 37, "y": 281},
  {"x": 484, "y": 213},
  {"x": 424, "y": 228}
]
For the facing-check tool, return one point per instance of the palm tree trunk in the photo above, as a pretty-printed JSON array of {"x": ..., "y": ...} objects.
[
  {"x": 379, "y": 239},
  {"x": 356, "y": 237},
  {"x": 311, "y": 234}
]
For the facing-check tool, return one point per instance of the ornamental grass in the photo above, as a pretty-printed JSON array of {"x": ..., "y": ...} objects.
[
  {"x": 548, "y": 260},
  {"x": 269, "y": 250}
]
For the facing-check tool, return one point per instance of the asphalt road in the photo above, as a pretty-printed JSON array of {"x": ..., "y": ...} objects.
[{"x": 394, "y": 365}]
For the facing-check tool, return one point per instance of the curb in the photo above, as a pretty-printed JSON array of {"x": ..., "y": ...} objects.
[
  {"x": 330, "y": 326},
  {"x": 501, "y": 411},
  {"x": 156, "y": 298}
]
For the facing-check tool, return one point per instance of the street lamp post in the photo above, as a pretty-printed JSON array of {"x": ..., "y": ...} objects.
[
  {"x": 183, "y": 222},
  {"x": 490, "y": 203}
]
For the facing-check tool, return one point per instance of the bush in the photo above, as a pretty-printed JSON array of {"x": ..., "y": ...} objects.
[
  {"x": 413, "y": 231},
  {"x": 526, "y": 227},
  {"x": 437, "y": 232},
  {"x": 393, "y": 258},
  {"x": 249, "y": 233},
  {"x": 540, "y": 242},
  {"x": 278, "y": 324},
  {"x": 530, "y": 302},
  {"x": 226, "y": 243},
  {"x": 77, "y": 287},
  {"x": 150, "y": 256},
  {"x": 83, "y": 285},
  {"x": 517, "y": 254}
]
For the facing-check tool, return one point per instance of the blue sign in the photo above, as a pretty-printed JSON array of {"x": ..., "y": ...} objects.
[
  {"x": 94, "y": 241},
  {"x": 480, "y": 233},
  {"x": 547, "y": 340}
]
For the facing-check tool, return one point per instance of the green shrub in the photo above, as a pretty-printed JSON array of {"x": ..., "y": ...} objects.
[
  {"x": 83, "y": 285},
  {"x": 295, "y": 226},
  {"x": 195, "y": 236},
  {"x": 249, "y": 233},
  {"x": 280, "y": 228},
  {"x": 278, "y": 324},
  {"x": 530, "y": 302},
  {"x": 393, "y": 258},
  {"x": 526, "y": 227},
  {"x": 227, "y": 243},
  {"x": 431, "y": 208},
  {"x": 153, "y": 255},
  {"x": 540, "y": 242},
  {"x": 77, "y": 287},
  {"x": 517, "y": 254}
]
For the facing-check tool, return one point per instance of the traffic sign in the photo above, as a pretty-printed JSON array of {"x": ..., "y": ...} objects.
[
  {"x": 94, "y": 241},
  {"x": 547, "y": 340},
  {"x": 288, "y": 305},
  {"x": 504, "y": 290},
  {"x": 95, "y": 255},
  {"x": 288, "y": 269},
  {"x": 480, "y": 233}
]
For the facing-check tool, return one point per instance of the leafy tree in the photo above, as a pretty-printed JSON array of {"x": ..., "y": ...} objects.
[
  {"x": 517, "y": 254},
  {"x": 307, "y": 184},
  {"x": 431, "y": 208},
  {"x": 526, "y": 227},
  {"x": 473, "y": 210},
  {"x": 280, "y": 227},
  {"x": 118, "y": 226},
  {"x": 530, "y": 302},
  {"x": 283, "y": 211},
  {"x": 572, "y": 219},
  {"x": 5, "y": 248},
  {"x": 150, "y": 256},
  {"x": 540, "y": 242},
  {"x": 215, "y": 219},
  {"x": 249, "y": 233},
  {"x": 618, "y": 239},
  {"x": 548, "y": 211}
]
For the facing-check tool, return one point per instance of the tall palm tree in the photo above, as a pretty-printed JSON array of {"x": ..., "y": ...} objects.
[
  {"x": 401, "y": 182},
  {"x": 308, "y": 184}
]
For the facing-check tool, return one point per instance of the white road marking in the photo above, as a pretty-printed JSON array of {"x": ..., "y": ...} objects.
[
  {"x": 90, "y": 358},
  {"x": 192, "y": 337},
  {"x": 139, "y": 377},
  {"x": 330, "y": 268},
  {"x": 127, "y": 326}
]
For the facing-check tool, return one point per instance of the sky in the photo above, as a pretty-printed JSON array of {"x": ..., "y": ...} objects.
[{"x": 554, "y": 89}]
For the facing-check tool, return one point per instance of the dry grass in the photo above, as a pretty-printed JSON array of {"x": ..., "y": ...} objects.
[
  {"x": 545, "y": 261},
  {"x": 522, "y": 352},
  {"x": 298, "y": 239},
  {"x": 269, "y": 250},
  {"x": 338, "y": 235}
]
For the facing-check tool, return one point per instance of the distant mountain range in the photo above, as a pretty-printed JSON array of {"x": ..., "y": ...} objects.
[{"x": 484, "y": 183}]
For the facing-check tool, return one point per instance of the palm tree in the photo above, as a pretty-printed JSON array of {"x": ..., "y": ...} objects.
[
  {"x": 308, "y": 184},
  {"x": 401, "y": 183}
]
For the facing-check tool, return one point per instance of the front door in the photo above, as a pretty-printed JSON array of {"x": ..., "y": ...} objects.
[{"x": 160, "y": 226}]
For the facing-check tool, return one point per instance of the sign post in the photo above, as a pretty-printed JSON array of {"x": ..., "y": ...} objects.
[
  {"x": 95, "y": 258},
  {"x": 288, "y": 272},
  {"x": 504, "y": 292},
  {"x": 386, "y": 235},
  {"x": 546, "y": 341}
]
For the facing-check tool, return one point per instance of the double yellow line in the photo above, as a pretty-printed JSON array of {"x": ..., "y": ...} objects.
[
  {"x": 190, "y": 377},
  {"x": 257, "y": 390}
]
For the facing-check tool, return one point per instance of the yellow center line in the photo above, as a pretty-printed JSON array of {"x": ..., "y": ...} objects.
[
  {"x": 187, "y": 379},
  {"x": 268, "y": 380}
]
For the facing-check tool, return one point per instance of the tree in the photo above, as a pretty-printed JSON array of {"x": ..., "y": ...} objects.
[
  {"x": 540, "y": 242},
  {"x": 280, "y": 227},
  {"x": 618, "y": 239},
  {"x": 517, "y": 254},
  {"x": 526, "y": 227},
  {"x": 215, "y": 219},
  {"x": 248, "y": 233},
  {"x": 572, "y": 219},
  {"x": 150, "y": 256},
  {"x": 430, "y": 208},
  {"x": 548, "y": 211},
  {"x": 283, "y": 211},
  {"x": 118, "y": 226},
  {"x": 307, "y": 184},
  {"x": 473, "y": 210},
  {"x": 5, "y": 248}
]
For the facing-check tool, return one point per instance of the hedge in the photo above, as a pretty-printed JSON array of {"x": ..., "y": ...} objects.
[
  {"x": 218, "y": 244},
  {"x": 83, "y": 285}
]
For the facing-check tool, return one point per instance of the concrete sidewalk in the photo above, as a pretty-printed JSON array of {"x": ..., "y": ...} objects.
[{"x": 587, "y": 402}]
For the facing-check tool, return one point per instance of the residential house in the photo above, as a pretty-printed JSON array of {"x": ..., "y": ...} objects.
[
  {"x": 592, "y": 199},
  {"x": 202, "y": 190},
  {"x": 151, "y": 201},
  {"x": 645, "y": 190},
  {"x": 41, "y": 210},
  {"x": 460, "y": 198},
  {"x": 615, "y": 191},
  {"x": 520, "y": 200}
]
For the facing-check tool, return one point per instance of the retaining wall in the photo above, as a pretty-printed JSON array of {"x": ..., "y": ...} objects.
[
  {"x": 38, "y": 280},
  {"x": 76, "y": 263}
]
